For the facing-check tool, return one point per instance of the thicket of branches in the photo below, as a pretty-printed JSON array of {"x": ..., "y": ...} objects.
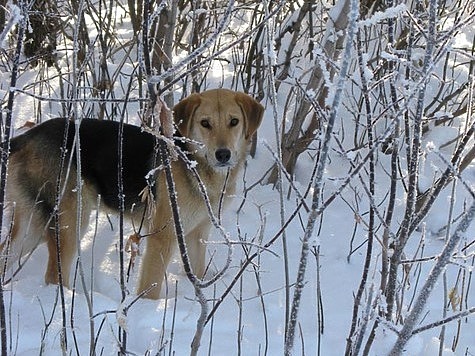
[{"x": 368, "y": 84}]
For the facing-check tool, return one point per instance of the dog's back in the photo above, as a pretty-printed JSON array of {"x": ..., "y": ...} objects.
[{"x": 37, "y": 155}]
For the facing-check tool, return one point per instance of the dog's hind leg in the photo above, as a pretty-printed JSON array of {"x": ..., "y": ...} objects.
[
  {"x": 64, "y": 247},
  {"x": 22, "y": 231}
]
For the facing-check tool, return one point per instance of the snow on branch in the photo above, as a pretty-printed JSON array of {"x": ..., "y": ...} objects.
[
  {"x": 380, "y": 16},
  {"x": 336, "y": 99},
  {"x": 444, "y": 259},
  {"x": 207, "y": 44},
  {"x": 15, "y": 18}
]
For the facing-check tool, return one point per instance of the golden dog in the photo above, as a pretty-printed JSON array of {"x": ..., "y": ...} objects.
[{"x": 217, "y": 124}]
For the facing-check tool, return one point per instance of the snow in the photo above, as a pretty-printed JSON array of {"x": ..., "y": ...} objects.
[
  {"x": 14, "y": 16},
  {"x": 379, "y": 16}
]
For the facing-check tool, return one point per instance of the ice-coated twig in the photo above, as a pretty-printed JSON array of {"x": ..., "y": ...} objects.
[
  {"x": 158, "y": 79},
  {"x": 412, "y": 319},
  {"x": 413, "y": 165},
  {"x": 270, "y": 61},
  {"x": 5, "y": 149},
  {"x": 15, "y": 17},
  {"x": 357, "y": 335},
  {"x": 213, "y": 218},
  {"x": 318, "y": 181},
  {"x": 444, "y": 321}
]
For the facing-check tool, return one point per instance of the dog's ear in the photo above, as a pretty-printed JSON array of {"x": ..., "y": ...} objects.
[
  {"x": 253, "y": 111},
  {"x": 184, "y": 111}
]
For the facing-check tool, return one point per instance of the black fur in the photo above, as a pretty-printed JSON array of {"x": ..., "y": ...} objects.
[{"x": 99, "y": 156}]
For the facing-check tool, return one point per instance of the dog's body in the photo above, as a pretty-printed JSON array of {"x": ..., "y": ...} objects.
[{"x": 219, "y": 123}]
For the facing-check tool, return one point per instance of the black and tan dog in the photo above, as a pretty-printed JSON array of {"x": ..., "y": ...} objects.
[{"x": 219, "y": 125}]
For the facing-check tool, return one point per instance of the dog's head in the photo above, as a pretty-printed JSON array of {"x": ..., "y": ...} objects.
[{"x": 222, "y": 121}]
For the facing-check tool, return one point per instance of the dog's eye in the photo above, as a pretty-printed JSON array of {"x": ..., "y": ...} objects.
[
  {"x": 205, "y": 123},
  {"x": 234, "y": 122}
]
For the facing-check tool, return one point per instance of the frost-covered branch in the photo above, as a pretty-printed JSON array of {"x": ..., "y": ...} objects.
[
  {"x": 270, "y": 60},
  {"x": 427, "y": 199},
  {"x": 413, "y": 163},
  {"x": 251, "y": 258},
  {"x": 444, "y": 321},
  {"x": 165, "y": 158},
  {"x": 16, "y": 16},
  {"x": 192, "y": 56},
  {"x": 319, "y": 82},
  {"x": 21, "y": 18},
  {"x": 318, "y": 180},
  {"x": 219, "y": 51},
  {"x": 353, "y": 348},
  {"x": 444, "y": 259}
]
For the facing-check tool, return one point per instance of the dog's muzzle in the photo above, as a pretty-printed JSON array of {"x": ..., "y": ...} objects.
[{"x": 223, "y": 155}]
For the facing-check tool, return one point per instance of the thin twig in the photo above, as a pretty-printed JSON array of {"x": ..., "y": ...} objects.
[{"x": 318, "y": 181}]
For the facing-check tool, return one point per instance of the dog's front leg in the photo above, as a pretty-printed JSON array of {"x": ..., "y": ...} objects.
[
  {"x": 157, "y": 255},
  {"x": 196, "y": 247}
]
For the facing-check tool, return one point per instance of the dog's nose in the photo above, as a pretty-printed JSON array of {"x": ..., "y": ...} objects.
[{"x": 223, "y": 155}]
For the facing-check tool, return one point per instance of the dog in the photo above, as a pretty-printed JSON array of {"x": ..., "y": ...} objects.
[{"x": 214, "y": 129}]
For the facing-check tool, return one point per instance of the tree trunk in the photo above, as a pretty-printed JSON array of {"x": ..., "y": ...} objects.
[{"x": 294, "y": 142}]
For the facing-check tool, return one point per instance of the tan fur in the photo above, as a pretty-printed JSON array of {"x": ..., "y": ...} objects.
[{"x": 220, "y": 146}]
